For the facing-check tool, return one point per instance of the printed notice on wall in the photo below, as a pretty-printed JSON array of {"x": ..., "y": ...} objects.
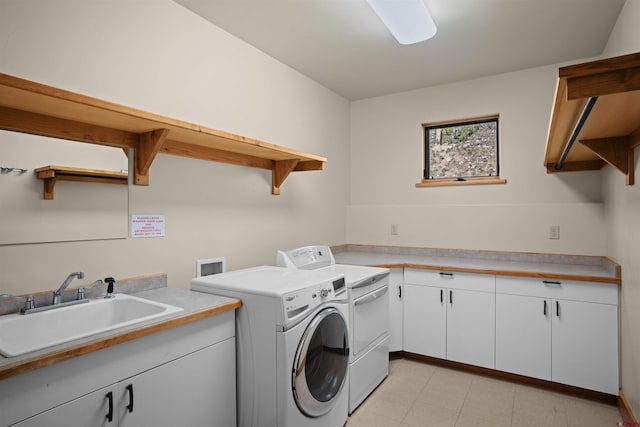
[{"x": 147, "y": 225}]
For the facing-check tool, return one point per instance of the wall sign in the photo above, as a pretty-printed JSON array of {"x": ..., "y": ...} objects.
[{"x": 147, "y": 225}]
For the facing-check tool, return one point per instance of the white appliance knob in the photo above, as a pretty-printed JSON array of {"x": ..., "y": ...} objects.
[{"x": 324, "y": 293}]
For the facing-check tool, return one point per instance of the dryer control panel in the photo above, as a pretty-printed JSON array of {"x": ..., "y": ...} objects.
[{"x": 306, "y": 258}]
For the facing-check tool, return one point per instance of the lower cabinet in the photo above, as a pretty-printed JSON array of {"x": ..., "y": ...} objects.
[
  {"x": 523, "y": 335},
  {"x": 563, "y": 331},
  {"x": 425, "y": 320},
  {"x": 89, "y": 410},
  {"x": 471, "y": 327},
  {"x": 190, "y": 382},
  {"x": 584, "y": 340},
  {"x": 395, "y": 309},
  {"x": 450, "y": 316},
  {"x": 185, "y": 389}
]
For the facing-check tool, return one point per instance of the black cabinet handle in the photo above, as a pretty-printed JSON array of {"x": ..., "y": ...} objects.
[
  {"x": 441, "y": 296},
  {"x": 130, "y": 390},
  {"x": 544, "y": 310},
  {"x": 557, "y": 308},
  {"x": 400, "y": 292},
  {"x": 446, "y": 274},
  {"x": 451, "y": 297},
  {"x": 109, "y": 398},
  {"x": 551, "y": 282}
]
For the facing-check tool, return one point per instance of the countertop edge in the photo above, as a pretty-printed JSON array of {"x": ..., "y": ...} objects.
[
  {"x": 405, "y": 257},
  {"x": 541, "y": 275},
  {"x": 72, "y": 351}
]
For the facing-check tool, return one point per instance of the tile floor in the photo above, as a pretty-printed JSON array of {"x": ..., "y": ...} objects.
[{"x": 419, "y": 394}]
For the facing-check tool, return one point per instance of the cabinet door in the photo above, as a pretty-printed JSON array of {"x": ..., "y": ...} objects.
[
  {"x": 425, "y": 320},
  {"x": 585, "y": 345},
  {"x": 523, "y": 335},
  {"x": 90, "y": 410},
  {"x": 471, "y": 327},
  {"x": 395, "y": 310},
  {"x": 195, "y": 390}
]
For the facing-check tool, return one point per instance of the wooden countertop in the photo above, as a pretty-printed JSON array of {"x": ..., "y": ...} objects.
[
  {"x": 549, "y": 266},
  {"x": 196, "y": 306}
]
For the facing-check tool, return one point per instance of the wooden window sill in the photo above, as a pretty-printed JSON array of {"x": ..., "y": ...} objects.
[{"x": 467, "y": 181}]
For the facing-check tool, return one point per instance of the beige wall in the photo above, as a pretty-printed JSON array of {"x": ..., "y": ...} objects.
[
  {"x": 622, "y": 214},
  {"x": 157, "y": 56},
  {"x": 28, "y": 218},
  {"x": 597, "y": 213},
  {"x": 386, "y": 163}
]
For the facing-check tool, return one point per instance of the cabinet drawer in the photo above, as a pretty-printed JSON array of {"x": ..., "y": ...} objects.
[
  {"x": 450, "y": 279},
  {"x": 604, "y": 293}
]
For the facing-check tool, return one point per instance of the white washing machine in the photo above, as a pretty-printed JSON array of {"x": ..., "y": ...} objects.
[
  {"x": 368, "y": 315},
  {"x": 292, "y": 345}
]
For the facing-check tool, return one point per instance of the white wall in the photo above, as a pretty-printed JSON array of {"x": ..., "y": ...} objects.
[
  {"x": 386, "y": 163},
  {"x": 622, "y": 214},
  {"x": 157, "y": 56}
]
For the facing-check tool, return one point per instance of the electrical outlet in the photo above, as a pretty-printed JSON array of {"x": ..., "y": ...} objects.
[
  {"x": 554, "y": 232},
  {"x": 394, "y": 229}
]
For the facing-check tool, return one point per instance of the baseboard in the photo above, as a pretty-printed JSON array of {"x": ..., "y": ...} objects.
[
  {"x": 625, "y": 410},
  {"x": 610, "y": 399}
]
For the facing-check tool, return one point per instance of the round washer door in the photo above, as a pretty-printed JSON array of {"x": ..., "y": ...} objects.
[{"x": 321, "y": 363}]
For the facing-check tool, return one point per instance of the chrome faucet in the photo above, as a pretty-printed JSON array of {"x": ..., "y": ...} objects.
[{"x": 57, "y": 295}]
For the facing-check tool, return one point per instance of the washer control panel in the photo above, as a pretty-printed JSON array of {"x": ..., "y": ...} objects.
[{"x": 298, "y": 303}]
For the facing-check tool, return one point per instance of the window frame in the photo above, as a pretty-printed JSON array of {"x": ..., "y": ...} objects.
[{"x": 478, "y": 180}]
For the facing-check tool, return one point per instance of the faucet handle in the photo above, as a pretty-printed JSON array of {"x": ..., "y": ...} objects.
[
  {"x": 82, "y": 294},
  {"x": 29, "y": 303}
]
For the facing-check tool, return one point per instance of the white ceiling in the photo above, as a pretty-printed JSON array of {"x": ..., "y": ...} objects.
[{"x": 344, "y": 46}]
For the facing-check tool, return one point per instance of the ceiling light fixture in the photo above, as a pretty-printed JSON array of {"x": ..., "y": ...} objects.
[{"x": 408, "y": 20}]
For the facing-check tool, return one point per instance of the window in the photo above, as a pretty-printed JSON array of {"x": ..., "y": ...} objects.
[{"x": 461, "y": 152}]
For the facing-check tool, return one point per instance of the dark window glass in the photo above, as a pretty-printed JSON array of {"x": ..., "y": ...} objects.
[{"x": 465, "y": 149}]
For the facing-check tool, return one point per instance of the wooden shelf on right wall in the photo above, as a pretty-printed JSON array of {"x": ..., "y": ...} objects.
[{"x": 610, "y": 89}]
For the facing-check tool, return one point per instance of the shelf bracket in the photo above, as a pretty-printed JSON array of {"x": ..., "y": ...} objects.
[
  {"x": 280, "y": 172},
  {"x": 148, "y": 146},
  {"x": 49, "y": 179},
  {"x": 616, "y": 151}
]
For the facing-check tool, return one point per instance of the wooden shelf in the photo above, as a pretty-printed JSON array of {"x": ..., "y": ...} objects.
[
  {"x": 611, "y": 130},
  {"x": 30, "y": 107},
  {"x": 52, "y": 174}
]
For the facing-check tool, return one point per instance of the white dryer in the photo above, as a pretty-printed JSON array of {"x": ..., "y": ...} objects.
[
  {"x": 292, "y": 345},
  {"x": 368, "y": 315}
]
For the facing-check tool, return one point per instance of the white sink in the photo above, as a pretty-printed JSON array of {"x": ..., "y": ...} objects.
[{"x": 21, "y": 334}]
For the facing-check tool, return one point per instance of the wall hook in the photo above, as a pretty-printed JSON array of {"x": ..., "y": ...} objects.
[{"x": 5, "y": 169}]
